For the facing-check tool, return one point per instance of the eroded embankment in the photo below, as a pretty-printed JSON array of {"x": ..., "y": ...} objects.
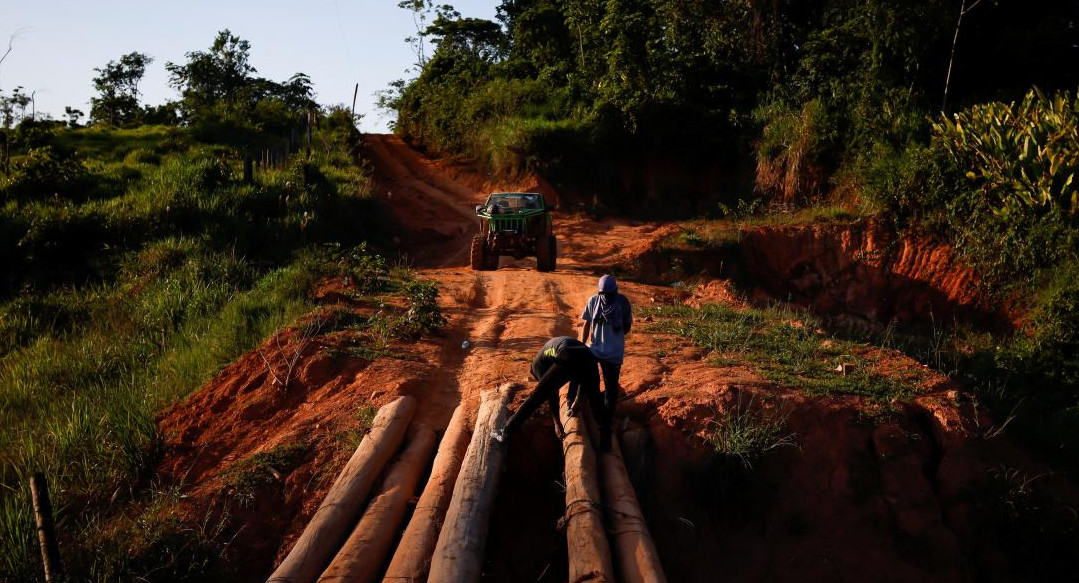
[
  {"x": 861, "y": 276},
  {"x": 917, "y": 492}
]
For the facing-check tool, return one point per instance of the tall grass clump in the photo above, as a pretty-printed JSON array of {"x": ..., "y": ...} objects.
[{"x": 746, "y": 432}]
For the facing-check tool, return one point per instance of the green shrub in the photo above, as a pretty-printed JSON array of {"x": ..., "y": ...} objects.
[
  {"x": 1022, "y": 157},
  {"x": 1001, "y": 178},
  {"x": 423, "y": 315},
  {"x": 245, "y": 478},
  {"x": 43, "y": 173}
]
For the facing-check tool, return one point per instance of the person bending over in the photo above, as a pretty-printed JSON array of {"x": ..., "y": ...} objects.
[{"x": 561, "y": 360}]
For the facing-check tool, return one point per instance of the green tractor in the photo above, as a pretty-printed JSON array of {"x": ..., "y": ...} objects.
[{"x": 517, "y": 224}]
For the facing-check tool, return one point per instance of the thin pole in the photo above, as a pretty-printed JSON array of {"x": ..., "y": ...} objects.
[
  {"x": 955, "y": 40},
  {"x": 355, "y": 92},
  {"x": 46, "y": 528}
]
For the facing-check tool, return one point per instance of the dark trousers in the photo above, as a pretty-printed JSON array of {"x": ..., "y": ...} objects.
[{"x": 611, "y": 389}]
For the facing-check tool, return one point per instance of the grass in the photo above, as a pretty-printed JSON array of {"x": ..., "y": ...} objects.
[
  {"x": 245, "y": 479},
  {"x": 747, "y": 431},
  {"x": 120, "y": 300},
  {"x": 785, "y": 347},
  {"x": 727, "y": 232}
]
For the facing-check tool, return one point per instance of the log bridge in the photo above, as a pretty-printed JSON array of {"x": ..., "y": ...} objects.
[{"x": 350, "y": 538}]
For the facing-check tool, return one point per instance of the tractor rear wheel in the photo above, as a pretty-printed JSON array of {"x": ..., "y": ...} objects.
[{"x": 478, "y": 259}]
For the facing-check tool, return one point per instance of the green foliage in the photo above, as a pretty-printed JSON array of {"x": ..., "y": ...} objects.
[
  {"x": 996, "y": 182},
  {"x": 43, "y": 173},
  {"x": 364, "y": 270},
  {"x": 1039, "y": 365},
  {"x": 423, "y": 315},
  {"x": 1023, "y": 157},
  {"x": 1039, "y": 532},
  {"x": 117, "y": 85},
  {"x": 166, "y": 544},
  {"x": 792, "y": 152},
  {"x": 821, "y": 99},
  {"x": 225, "y": 103},
  {"x": 121, "y": 300},
  {"x": 246, "y": 478}
]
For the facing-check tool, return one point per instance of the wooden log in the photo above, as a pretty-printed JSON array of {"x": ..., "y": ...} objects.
[
  {"x": 589, "y": 552},
  {"x": 635, "y": 552},
  {"x": 412, "y": 559},
  {"x": 344, "y": 502},
  {"x": 363, "y": 554},
  {"x": 458, "y": 554},
  {"x": 46, "y": 527}
]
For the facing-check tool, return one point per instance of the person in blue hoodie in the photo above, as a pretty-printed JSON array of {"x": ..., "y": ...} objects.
[{"x": 608, "y": 317}]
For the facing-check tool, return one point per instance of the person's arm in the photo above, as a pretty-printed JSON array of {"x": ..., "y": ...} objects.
[
  {"x": 627, "y": 315},
  {"x": 586, "y": 315}
]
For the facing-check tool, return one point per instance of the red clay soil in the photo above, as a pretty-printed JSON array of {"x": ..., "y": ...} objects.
[{"x": 882, "y": 492}]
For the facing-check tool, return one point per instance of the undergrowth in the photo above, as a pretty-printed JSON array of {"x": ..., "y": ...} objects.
[
  {"x": 786, "y": 347},
  {"x": 746, "y": 432},
  {"x": 246, "y": 478},
  {"x": 122, "y": 293}
]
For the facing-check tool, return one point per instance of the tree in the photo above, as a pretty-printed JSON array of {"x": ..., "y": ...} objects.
[
  {"x": 118, "y": 86},
  {"x": 73, "y": 116},
  {"x": 420, "y": 10},
  {"x": 13, "y": 108},
  {"x": 219, "y": 78}
]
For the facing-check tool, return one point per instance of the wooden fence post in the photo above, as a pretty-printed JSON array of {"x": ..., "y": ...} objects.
[{"x": 46, "y": 528}]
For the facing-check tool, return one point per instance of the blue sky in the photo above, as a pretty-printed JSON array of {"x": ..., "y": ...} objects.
[{"x": 338, "y": 43}]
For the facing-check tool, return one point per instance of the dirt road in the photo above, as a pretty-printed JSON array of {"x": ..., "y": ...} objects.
[
  {"x": 505, "y": 315},
  {"x": 874, "y": 491}
]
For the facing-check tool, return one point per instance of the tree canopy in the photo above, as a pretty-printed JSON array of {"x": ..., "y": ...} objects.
[
  {"x": 117, "y": 84},
  {"x": 817, "y": 88}
]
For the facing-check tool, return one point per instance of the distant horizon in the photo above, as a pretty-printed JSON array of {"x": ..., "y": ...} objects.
[{"x": 56, "y": 44}]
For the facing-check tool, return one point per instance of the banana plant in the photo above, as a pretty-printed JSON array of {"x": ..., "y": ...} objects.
[{"x": 1024, "y": 156}]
